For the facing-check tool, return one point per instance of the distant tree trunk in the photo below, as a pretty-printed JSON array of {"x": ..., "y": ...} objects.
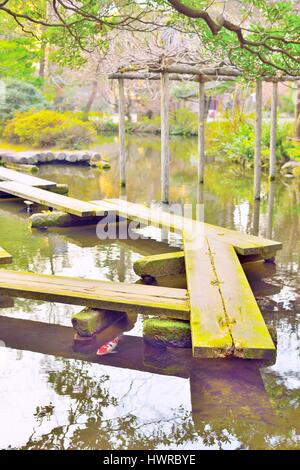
[
  {"x": 128, "y": 106},
  {"x": 42, "y": 65},
  {"x": 91, "y": 98},
  {"x": 297, "y": 112},
  {"x": 207, "y": 106}
]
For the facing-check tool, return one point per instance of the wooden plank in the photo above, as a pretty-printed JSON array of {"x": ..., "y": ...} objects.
[
  {"x": 250, "y": 334},
  {"x": 172, "y": 264},
  {"x": 223, "y": 308},
  {"x": 243, "y": 243},
  {"x": 5, "y": 258},
  {"x": 11, "y": 175},
  {"x": 47, "y": 198},
  {"x": 209, "y": 329},
  {"x": 148, "y": 300}
]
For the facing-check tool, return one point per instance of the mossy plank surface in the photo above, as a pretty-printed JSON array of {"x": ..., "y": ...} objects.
[
  {"x": 243, "y": 243},
  {"x": 210, "y": 331},
  {"x": 5, "y": 257},
  {"x": 222, "y": 300},
  {"x": 248, "y": 329},
  {"x": 149, "y": 300}
]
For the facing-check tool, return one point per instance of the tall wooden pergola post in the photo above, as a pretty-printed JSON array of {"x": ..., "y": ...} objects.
[
  {"x": 122, "y": 150},
  {"x": 258, "y": 132},
  {"x": 201, "y": 138},
  {"x": 165, "y": 144},
  {"x": 274, "y": 104}
]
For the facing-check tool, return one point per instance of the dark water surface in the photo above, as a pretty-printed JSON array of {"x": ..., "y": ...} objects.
[{"x": 141, "y": 398}]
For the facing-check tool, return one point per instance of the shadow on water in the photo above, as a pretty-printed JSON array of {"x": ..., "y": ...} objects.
[{"x": 56, "y": 394}]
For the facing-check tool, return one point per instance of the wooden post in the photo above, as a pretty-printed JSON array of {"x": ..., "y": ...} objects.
[
  {"x": 201, "y": 119},
  {"x": 271, "y": 198},
  {"x": 257, "y": 155},
  {"x": 165, "y": 149},
  {"x": 122, "y": 151},
  {"x": 272, "y": 168}
]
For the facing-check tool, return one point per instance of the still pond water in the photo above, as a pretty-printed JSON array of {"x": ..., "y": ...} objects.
[{"x": 141, "y": 398}]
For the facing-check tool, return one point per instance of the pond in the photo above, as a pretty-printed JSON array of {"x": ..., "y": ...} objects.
[{"x": 141, "y": 398}]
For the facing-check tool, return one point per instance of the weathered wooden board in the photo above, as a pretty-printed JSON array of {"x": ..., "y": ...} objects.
[
  {"x": 209, "y": 328},
  {"x": 5, "y": 258},
  {"x": 172, "y": 264},
  {"x": 11, "y": 175},
  {"x": 49, "y": 199},
  {"x": 244, "y": 244},
  {"x": 149, "y": 300},
  {"x": 250, "y": 334},
  {"x": 222, "y": 300}
]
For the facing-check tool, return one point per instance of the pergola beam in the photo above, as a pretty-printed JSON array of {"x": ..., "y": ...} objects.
[{"x": 173, "y": 77}]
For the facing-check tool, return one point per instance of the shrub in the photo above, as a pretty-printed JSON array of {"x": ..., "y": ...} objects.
[
  {"x": 49, "y": 128},
  {"x": 19, "y": 96},
  {"x": 183, "y": 122}
]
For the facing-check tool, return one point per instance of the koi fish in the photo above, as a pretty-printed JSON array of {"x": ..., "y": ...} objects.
[{"x": 109, "y": 347}]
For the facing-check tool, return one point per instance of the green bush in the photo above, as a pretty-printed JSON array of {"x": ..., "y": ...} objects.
[
  {"x": 19, "y": 96},
  {"x": 49, "y": 128},
  {"x": 183, "y": 122}
]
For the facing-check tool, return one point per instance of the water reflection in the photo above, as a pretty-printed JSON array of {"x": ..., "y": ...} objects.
[{"x": 54, "y": 396}]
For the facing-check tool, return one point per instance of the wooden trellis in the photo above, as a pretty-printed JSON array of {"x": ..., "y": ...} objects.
[{"x": 181, "y": 72}]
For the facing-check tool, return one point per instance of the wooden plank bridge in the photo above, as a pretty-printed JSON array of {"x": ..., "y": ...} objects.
[
  {"x": 11, "y": 175},
  {"x": 49, "y": 199},
  {"x": 122, "y": 297},
  {"x": 225, "y": 318},
  {"x": 243, "y": 243}
]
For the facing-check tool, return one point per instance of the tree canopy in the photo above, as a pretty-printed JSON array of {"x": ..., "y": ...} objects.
[{"x": 261, "y": 37}]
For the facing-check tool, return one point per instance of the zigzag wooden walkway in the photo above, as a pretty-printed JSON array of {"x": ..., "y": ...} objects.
[{"x": 219, "y": 303}]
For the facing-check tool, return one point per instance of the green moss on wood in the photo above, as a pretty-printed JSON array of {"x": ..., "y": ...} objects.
[
  {"x": 167, "y": 264},
  {"x": 167, "y": 332},
  {"x": 59, "y": 219},
  {"x": 61, "y": 189},
  {"x": 91, "y": 321}
]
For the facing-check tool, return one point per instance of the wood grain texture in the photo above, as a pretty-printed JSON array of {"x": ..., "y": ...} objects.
[
  {"x": 149, "y": 300},
  {"x": 209, "y": 329},
  {"x": 243, "y": 243},
  {"x": 11, "y": 175},
  {"x": 247, "y": 326},
  {"x": 53, "y": 200}
]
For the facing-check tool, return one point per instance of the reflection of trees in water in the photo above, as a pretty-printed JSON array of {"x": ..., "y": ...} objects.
[
  {"x": 222, "y": 414},
  {"x": 87, "y": 427}
]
